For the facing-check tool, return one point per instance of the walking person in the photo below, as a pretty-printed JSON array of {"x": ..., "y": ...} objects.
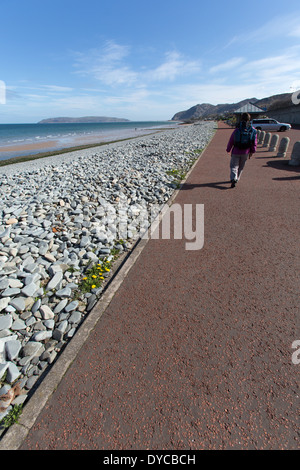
[{"x": 242, "y": 145}]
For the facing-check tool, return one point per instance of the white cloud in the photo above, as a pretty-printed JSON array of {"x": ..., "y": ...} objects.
[
  {"x": 295, "y": 32},
  {"x": 273, "y": 72},
  {"x": 228, "y": 65},
  {"x": 55, "y": 88},
  {"x": 111, "y": 65},
  {"x": 282, "y": 26},
  {"x": 113, "y": 52},
  {"x": 106, "y": 64},
  {"x": 135, "y": 96},
  {"x": 192, "y": 94},
  {"x": 174, "y": 66},
  {"x": 116, "y": 79}
]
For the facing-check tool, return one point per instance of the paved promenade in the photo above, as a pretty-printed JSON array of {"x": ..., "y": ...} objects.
[{"x": 194, "y": 349}]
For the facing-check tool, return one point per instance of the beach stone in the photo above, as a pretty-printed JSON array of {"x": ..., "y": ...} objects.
[
  {"x": 23, "y": 249},
  {"x": 24, "y": 362},
  {"x": 31, "y": 381},
  {"x": 66, "y": 292},
  {"x": 11, "y": 291},
  {"x": 4, "y": 303},
  {"x": 18, "y": 325},
  {"x": 36, "y": 305},
  {"x": 45, "y": 356},
  {"x": 57, "y": 334},
  {"x": 50, "y": 257},
  {"x": 18, "y": 303},
  {"x": 84, "y": 241},
  {"x": 32, "y": 278},
  {"x": 28, "y": 260},
  {"x": 12, "y": 372},
  {"x": 39, "y": 326},
  {"x": 49, "y": 356},
  {"x": 91, "y": 256},
  {"x": 46, "y": 312},
  {"x": 61, "y": 305},
  {"x": 31, "y": 267},
  {"x": 5, "y": 321},
  {"x": 30, "y": 290},
  {"x": 75, "y": 317},
  {"x": 10, "y": 309},
  {"x": 13, "y": 252},
  {"x": 25, "y": 315},
  {"x": 12, "y": 349},
  {"x": 32, "y": 349},
  {"x": 11, "y": 221},
  {"x": 42, "y": 335},
  {"x": 71, "y": 306},
  {"x": 3, "y": 367},
  {"x": 4, "y": 390},
  {"x": 19, "y": 400},
  {"x": 105, "y": 251},
  {"x": 5, "y": 332},
  {"x": 63, "y": 326},
  {"x": 2, "y": 346},
  {"x": 55, "y": 268},
  {"x": 5, "y": 233},
  {"x": 71, "y": 332},
  {"x": 49, "y": 324},
  {"x": 31, "y": 321},
  {"x": 92, "y": 300},
  {"x": 7, "y": 269},
  {"x": 43, "y": 247},
  {"x": 4, "y": 283},
  {"x": 55, "y": 281},
  {"x": 46, "y": 223},
  {"x": 15, "y": 283}
]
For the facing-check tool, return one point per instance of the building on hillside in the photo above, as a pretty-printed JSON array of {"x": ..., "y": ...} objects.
[{"x": 250, "y": 108}]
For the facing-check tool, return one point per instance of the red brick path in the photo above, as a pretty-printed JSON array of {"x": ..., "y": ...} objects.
[{"x": 195, "y": 349}]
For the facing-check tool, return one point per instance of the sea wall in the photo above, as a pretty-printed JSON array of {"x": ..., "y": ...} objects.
[{"x": 289, "y": 114}]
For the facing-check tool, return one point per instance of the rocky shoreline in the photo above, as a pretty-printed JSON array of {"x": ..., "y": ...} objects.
[{"x": 63, "y": 222}]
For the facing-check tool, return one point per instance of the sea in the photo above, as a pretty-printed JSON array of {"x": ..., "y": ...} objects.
[{"x": 19, "y": 140}]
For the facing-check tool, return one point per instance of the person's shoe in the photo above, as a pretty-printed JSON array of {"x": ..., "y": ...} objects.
[{"x": 233, "y": 183}]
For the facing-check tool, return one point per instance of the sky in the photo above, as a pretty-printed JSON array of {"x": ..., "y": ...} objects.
[{"x": 142, "y": 61}]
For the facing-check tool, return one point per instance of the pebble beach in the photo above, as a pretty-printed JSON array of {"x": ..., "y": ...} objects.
[{"x": 64, "y": 221}]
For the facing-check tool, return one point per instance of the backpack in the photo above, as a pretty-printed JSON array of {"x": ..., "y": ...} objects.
[{"x": 244, "y": 136}]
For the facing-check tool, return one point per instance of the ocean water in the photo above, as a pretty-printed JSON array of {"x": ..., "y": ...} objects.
[{"x": 22, "y": 139}]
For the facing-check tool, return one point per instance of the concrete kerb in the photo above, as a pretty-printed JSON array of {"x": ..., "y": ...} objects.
[{"x": 16, "y": 434}]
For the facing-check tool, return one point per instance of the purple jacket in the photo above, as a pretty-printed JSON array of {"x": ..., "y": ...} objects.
[{"x": 237, "y": 151}]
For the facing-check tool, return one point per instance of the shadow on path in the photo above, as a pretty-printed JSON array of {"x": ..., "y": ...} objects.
[
  {"x": 216, "y": 185},
  {"x": 284, "y": 165}
]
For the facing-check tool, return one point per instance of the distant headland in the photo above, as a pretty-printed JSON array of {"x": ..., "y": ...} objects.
[{"x": 85, "y": 119}]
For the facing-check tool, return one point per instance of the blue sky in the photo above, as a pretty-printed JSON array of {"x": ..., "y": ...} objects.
[{"x": 143, "y": 60}]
